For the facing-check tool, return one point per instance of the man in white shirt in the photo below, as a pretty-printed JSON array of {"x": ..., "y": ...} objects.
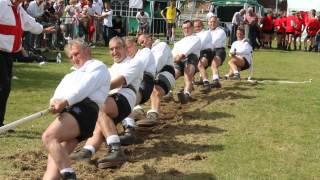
[
  {"x": 165, "y": 76},
  {"x": 186, "y": 54},
  {"x": 36, "y": 8},
  {"x": 142, "y": 19},
  {"x": 14, "y": 20},
  {"x": 76, "y": 100},
  {"x": 126, "y": 76},
  {"x": 241, "y": 56},
  {"x": 206, "y": 52},
  {"x": 98, "y": 7},
  {"x": 145, "y": 89},
  {"x": 107, "y": 22},
  {"x": 218, "y": 37}
]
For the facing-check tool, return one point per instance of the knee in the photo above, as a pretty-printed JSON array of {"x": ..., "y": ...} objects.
[
  {"x": 200, "y": 65},
  {"x": 47, "y": 137}
]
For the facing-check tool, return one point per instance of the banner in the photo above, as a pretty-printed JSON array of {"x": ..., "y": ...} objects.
[{"x": 135, "y": 4}]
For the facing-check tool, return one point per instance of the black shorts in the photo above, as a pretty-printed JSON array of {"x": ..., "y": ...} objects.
[
  {"x": 206, "y": 53},
  {"x": 171, "y": 25},
  {"x": 221, "y": 53},
  {"x": 124, "y": 108},
  {"x": 146, "y": 87},
  {"x": 246, "y": 64},
  {"x": 191, "y": 59},
  {"x": 86, "y": 114},
  {"x": 162, "y": 81}
]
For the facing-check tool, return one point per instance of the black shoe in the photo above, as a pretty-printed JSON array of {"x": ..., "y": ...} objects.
[
  {"x": 115, "y": 158},
  {"x": 216, "y": 84},
  {"x": 81, "y": 155},
  {"x": 68, "y": 176},
  {"x": 129, "y": 137},
  {"x": 182, "y": 97},
  {"x": 206, "y": 87}
]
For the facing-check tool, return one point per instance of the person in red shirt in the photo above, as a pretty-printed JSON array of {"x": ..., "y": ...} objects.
[
  {"x": 290, "y": 29},
  {"x": 313, "y": 26},
  {"x": 280, "y": 29},
  {"x": 267, "y": 29},
  {"x": 298, "y": 30}
]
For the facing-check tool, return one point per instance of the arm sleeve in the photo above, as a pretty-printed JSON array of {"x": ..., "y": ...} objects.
[
  {"x": 133, "y": 71},
  {"x": 29, "y": 23},
  {"x": 88, "y": 83}
]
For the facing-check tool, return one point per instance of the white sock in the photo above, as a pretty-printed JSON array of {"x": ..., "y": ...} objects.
[
  {"x": 205, "y": 80},
  {"x": 70, "y": 170},
  {"x": 215, "y": 77},
  {"x": 128, "y": 121},
  {"x": 90, "y": 148},
  {"x": 236, "y": 72},
  {"x": 187, "y": 92},
  {"x": 113, "y": 139}
]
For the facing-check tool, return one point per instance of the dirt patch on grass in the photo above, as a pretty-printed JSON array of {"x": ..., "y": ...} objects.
[{"x": 165, "y": 152}]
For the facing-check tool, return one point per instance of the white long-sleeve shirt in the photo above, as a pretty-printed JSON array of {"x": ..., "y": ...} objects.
[
  {"x": 146, "y": 57},
  {"x": 92, "y": 80},
  {"x": 218, "y": 37},
  {"x": 205, "y": 38},
  {"x": 187, "y": 45},
  {"x": 243, "y": 49},
  {"x": 107, "y": 21},
  {"x": 35, "y": 10},
  {"x": 162, "y": 55},
  {"x": 28, "y": 23},
  {"x": 132, "y": 72}
]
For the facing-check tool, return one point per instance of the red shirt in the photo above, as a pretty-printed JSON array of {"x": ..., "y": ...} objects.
[
  {"x": 291, "y": 24},
  {"x": 313, "y": 26},
  {"x": 300, "y": 23},
  {"x": 267, "y": 23}
]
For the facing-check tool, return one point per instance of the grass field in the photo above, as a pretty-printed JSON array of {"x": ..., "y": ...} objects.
[{"x": 242, "y": 131}]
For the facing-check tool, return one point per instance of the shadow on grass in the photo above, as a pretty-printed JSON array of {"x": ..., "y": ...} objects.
[
  {"x": 204, "y": 115},
  {"x": 151, "y": 173},
  {"x": 22, "y": 134}
]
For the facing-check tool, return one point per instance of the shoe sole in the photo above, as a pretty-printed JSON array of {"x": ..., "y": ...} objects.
[
  {"x": 181, "y": 98},
  {"x": 113, "y": 164}
]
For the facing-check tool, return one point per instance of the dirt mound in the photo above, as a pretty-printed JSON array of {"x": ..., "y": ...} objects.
[{"x": 165, "y": 150}]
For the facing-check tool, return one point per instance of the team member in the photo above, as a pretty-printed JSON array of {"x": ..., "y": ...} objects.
[
  {"x": 186, "y": 54},
  {"x": 145, "y": 89},
  {"x": 313, "y": 27},
  {"x": 291, "y": 24},
  {"x": 165, "y": 76},
  {"x": 125, "y": 80},
  {"x": 218, "y": 37},
  {"x": 267, "y": 30},
  {"x": 206, "y": 53},
  {"x": 170, "y": 14},
  {"x": 13, "y": 21},
  {"x": 76, "y": 100},
  {"x": 241, "y": 56}
]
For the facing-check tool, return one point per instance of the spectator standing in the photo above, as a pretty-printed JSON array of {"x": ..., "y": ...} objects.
[
  {"x": 298, "y": 30},
  {"x": 13, "y": 21},
  {"x": 70, "y": 20},
  {"x": 98, "y": 8},
  {"x": 107, "y": 22},
  {"x": 267, "y": 30},
  {"x": 36, "y": 10},
  {"x": 170, "y": 14},
  {"x": 251, "y": 19}
]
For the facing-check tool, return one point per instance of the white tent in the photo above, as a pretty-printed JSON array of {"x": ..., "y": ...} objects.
[{"x": 307, "y": 5}]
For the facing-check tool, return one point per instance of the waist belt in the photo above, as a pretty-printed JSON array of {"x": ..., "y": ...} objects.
[{"x": 130, "y": 86}]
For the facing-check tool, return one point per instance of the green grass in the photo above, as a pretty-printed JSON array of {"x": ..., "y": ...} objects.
[{"x": 267, "y": 131}]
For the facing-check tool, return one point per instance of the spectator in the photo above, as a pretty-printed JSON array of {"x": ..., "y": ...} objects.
[
  {"x": 267, "y": 30},
  {"x": 70, "y": 19},
  {"x": 117, "y": 26},
  {"x": 210, "y": 13},
  {"x": 170, "y": 14},
  {"x": 98, "y": 7},
  {"x": 313, "y": 26},
  {"x": 298, "y": 30},
  {"x": 291, "y": 25},
  {"x": 251, "y": 19},
  {"x": 107, "y": 22},
  {"x": 142, "y": 19}
]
